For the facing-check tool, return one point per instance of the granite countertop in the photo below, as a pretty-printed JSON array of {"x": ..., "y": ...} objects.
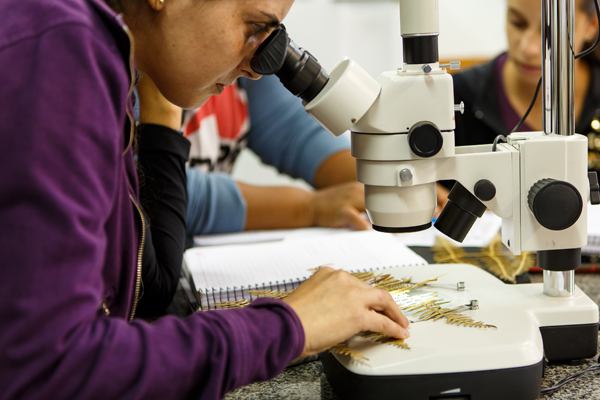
[{"x": 308, "y": 381}]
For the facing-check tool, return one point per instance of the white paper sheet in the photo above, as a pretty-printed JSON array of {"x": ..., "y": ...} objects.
[
  {"x": 250, "y": 264},
  {"x": 593, "y": 220},
  {"x": 593, "y": 243},
  {"x": 271, "y": 235}
]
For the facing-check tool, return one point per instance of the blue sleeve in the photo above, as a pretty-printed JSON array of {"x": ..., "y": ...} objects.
[
  {"x": 282, "y": 134},
  {"x": 215, "y": 204}
]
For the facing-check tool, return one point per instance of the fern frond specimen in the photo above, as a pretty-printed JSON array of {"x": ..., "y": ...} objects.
[
  {"x": 274, "y": 294},
  {"x": 356, "y": 356},
  {"x": 390, "y": 283},
  {"x": 343, "y": 349},
  {"x": 495, "y": 258},
  {"x": 227, "y": 305},
  {"x": 406, "y": 287},
  {"x": 396, "y": 286},
  {"x": 444, "y": 252},
  {"x": 363, "y": 276},
  {"x": 433, "y": 310},
  {"x": 384, "y": 339}
]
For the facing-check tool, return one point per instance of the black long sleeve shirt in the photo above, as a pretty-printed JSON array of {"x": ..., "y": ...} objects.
[{"x": 162, "y": 154}]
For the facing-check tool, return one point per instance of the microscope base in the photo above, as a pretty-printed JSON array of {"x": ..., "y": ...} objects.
[
  {"x": 568, "y": 344},
  {"x": 515, "y": 384},
  {"x": 456, "y": 362}
]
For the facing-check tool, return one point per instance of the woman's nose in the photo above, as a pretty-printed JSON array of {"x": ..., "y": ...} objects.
[
  {"x": 531, "y": 43},
  {"x": 246, "y": 69}
]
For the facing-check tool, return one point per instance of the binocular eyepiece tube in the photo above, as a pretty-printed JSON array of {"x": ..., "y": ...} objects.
[{"x": 295, "y": 67}]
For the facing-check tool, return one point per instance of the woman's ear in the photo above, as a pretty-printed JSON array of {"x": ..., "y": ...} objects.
[{"x": 156, "y": 5}]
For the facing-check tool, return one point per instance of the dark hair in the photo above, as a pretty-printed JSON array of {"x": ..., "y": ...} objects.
[
  {"x": 114, "y": 4},
  {"x": 588, "y": 6}
]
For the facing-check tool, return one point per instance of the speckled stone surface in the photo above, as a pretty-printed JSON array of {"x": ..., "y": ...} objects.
[{"x": 307, "y": 380}]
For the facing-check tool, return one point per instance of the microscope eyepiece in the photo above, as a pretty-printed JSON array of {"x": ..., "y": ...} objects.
[
  {"x": 295, "y": 67},
  {"x": 460, "y": 213}
]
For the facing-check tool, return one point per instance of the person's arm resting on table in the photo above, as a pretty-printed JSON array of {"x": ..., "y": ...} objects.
[{"x": 282, "y": 134}]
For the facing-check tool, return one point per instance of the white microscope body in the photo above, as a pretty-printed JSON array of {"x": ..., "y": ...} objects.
[
  {"x": 400, "y": 157},
  {"x": 402, "y": 128}
]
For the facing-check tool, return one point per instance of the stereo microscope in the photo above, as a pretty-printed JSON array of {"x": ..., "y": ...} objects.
[{"x": 402, "y": 133}]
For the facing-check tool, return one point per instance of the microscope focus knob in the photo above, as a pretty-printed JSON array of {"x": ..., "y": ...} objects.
[
  {"x": 425, "y": 139},
  {"x": 555, "y": 204},
  {"x": 484, "y": 190}
]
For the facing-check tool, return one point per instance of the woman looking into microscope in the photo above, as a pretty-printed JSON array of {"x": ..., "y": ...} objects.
[
  {"x": 73, "y": 232},
  {"x": 497, "y": 94}
]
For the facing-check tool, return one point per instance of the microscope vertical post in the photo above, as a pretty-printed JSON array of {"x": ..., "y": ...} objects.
[
  {"x": 557, "y": 73},
  {"x": 557, "y": 78}
]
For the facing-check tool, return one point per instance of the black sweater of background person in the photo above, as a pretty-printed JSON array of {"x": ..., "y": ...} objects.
[
  {"x": 481, "y": 121},
  {"x": 161, "y": 157}
]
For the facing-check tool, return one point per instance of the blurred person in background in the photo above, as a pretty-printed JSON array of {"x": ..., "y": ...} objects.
[
  {"x": 265, "y": 117},
  {"x": 497, "y": 94}
]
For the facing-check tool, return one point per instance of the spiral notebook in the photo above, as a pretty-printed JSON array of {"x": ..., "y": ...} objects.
[{"x": 226, "y": 273}]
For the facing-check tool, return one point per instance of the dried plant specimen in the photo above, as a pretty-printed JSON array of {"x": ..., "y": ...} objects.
[
  {"x": 495, "y": 258},
  {"x": 274, "y": 294},
  {"x": 381, "y": 338},
  {"x": 425, "y": 310},
  {"x": 433, "y": 310},
  {"x": 409, "y": 286},
  {"x": 227, "y": 305},
  {"x": 343, "y": 349},
  {"x": 363, "y": 276},
  {"x": 358, "y": 357}
]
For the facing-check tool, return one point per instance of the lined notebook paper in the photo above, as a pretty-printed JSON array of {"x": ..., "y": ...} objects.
[
  {"x": 270, "y": 235},
  {"x": 223, "y": 270}
]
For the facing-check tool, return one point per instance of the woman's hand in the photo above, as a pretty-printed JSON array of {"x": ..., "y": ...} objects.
[
  {"x": 155, "y": 108},
  {"x": 339, "y": 206},
  {"x": 333, "y": 305}
]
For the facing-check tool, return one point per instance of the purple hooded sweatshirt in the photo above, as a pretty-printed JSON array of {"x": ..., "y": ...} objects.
[{"x": 70, "y": 231}]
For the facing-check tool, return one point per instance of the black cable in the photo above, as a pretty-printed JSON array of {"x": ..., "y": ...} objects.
[
  {"x": 537, "y": 89},
  {"x": 593, "y": 47},
  {"x": 497, "y": 139},
  {"x": 571, "y": 378}
]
